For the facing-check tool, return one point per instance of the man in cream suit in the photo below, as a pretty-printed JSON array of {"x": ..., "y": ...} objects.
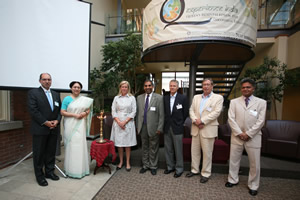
[
  {"x": 246, "y": 117},
  {"x": 150, "y": 121},
  {"x": 204, "y": 112}
]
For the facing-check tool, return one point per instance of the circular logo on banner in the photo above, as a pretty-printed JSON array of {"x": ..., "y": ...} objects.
[{"x": 171, "y": 10}]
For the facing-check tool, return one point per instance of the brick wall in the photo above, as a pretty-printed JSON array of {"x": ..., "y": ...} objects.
[{"x": 16, "y": 144}]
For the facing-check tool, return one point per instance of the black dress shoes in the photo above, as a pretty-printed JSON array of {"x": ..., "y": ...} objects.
[
  {"x": 128, "y": 169},
  {"x": 177, "y": 175},
  {"x": 203, "y": 179},
  {"x": 42, "y": 182},
  {"x": 253, "y": 192},
  {"x": 169, "y": 171},
  {"x": 153, "y": 172},
  {"x": 228, "y": 184},
  {"x": 52, "y": 176},
  {"x": 143, "y": 170},
  {"x": 190, "y": 174}
]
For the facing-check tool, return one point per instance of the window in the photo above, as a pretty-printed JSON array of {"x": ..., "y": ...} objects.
[{"x": 181, "y": 77}]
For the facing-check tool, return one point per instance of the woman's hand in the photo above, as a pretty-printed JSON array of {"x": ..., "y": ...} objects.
[{"x": 120, "y": 123}]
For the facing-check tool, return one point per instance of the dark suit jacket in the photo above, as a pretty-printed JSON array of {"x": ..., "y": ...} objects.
[
  {"x": 177, "y": 117},
  {"x": 40, "y": 111}
]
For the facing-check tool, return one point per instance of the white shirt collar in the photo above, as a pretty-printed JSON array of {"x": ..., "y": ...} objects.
[{"x": 45, "y": 89}]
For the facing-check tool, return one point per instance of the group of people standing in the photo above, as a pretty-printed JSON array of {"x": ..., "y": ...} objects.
[{"x": 149, "y": 116}]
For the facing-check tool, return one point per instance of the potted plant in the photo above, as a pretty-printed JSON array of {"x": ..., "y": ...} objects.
[{"x": 271, "y": 78}]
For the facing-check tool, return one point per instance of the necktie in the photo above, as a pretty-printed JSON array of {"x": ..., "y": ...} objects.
[
  {"x": 146, "y": 109},
  {"x": 49, "y": 99},
  {"x": 247, "y": 101}
]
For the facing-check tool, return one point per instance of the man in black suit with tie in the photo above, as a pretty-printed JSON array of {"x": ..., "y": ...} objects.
[
  {"x": 176, "y": 111},
  {"x": 44, "y": 108}
]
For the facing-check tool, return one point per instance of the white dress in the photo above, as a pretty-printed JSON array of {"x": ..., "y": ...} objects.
[{"x": 123, "y": 107}]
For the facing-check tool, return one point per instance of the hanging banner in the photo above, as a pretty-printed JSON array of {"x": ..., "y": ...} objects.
[{"x": 171, "y": 21}]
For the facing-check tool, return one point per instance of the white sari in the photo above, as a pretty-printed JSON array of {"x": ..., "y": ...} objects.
[{"x": 76, "y": 153}]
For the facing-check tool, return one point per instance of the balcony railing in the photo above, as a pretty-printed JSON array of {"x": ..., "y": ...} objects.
[
  {"x": 278, "y": 14},
  {"x": 124, "y": 24},
  {"x": 272, "y": 14}
]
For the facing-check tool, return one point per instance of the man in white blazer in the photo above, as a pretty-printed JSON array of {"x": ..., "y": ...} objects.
[
  {"x": 204, "y": 111},
  {"x": 246, "y": 117}
]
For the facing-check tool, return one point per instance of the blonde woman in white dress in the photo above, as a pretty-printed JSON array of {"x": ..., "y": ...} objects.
[{"x": 123, "y": 128}]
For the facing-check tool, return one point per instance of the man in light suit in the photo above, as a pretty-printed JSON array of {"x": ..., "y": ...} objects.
[
  {"x": 176, "y": 111},
  {"x": 44, "y": 107},
  {"x": 204, "y": 112},
  {"x": 150, "y": 122},
  {"x": 246, "y": 117}
]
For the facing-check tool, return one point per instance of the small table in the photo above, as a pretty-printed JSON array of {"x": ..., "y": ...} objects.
[{"x": 99, "y": 151}]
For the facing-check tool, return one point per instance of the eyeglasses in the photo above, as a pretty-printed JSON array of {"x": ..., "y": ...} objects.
[
  {"x": 247, "y": 87},
  {"x": 46, "y": 79}
]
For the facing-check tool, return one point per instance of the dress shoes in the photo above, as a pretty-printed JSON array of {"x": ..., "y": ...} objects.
[
  {"x": 143, "y": 170},
  {"x": 118, "y": 168},
  {"x": 52, "y": 176},
  {"x": 153, "y": 172},
  {"x": 42, "y": 182},
  {"x": 128, "y": 169},
  {"x": 177, "y": 175},
  {"x": 190, "y": 174},
  {"x": 252, "y": 192},
  {"x": 228, "y": 184},
  {"x": 169, "y": 171},
  {"x": 203, "y": 179}
]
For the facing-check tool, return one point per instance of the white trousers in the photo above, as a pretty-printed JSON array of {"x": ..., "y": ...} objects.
[
  {"x": 236, "y": 152},
  {"x": 207, "y": 146}
]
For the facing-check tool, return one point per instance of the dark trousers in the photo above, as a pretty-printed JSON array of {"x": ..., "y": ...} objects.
[{"x": 44, "y": 148}]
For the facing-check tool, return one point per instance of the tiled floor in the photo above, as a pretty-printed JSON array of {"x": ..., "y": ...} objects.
[{"x": 21, "y": 183}]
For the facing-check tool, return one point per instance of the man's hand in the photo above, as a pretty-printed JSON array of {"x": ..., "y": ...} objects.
[
  {"x": 198, "y": 122},
  {"x": 201, "y": 126},
  {"x": 51, "y": 124},
  {"x": 243, "y": 136},
  {"x": 158, "y": 132}
]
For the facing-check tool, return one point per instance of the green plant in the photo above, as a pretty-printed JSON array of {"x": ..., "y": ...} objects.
[
  {"x": 120, "y": 60},
  {"x": 272, "y": 77}
]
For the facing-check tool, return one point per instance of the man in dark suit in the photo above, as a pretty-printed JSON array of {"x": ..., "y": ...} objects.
[
  {"x": 44, "y": 108},
  {"x": 176, "y": 111},
  {"x": 150, "y": 122}
]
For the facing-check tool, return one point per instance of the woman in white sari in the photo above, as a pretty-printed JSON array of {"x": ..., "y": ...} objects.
[{"x": 77, "y": 112}]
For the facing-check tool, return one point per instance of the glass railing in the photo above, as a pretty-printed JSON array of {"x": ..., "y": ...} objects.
[
  {"x": 272, "y": 14},
  {"x": 123, "y": 24},
  {"x": 278, "y": 14}
]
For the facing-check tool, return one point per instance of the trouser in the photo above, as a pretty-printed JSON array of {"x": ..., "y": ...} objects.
[
  {"x": 44, "y": 148},
  {"x": 207, "y": 146},
  {"x": 173, "y": 151},
  {"x": 150, "y": 148},
  {"x": 236, "y": 152}
]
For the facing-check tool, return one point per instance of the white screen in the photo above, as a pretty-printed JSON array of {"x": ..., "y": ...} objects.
[{"x": 44, "y": 36}]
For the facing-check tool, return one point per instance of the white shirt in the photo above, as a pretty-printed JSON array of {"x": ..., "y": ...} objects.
[
  {"x": 172, "y": 101},
  {"x": 150, "y": 95}
]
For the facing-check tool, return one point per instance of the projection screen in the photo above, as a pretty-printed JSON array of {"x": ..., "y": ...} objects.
[{"x": 44, "y": 36}]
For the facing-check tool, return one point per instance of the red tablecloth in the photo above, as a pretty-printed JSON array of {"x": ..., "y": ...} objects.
[{"x": 99, "y": 151}]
